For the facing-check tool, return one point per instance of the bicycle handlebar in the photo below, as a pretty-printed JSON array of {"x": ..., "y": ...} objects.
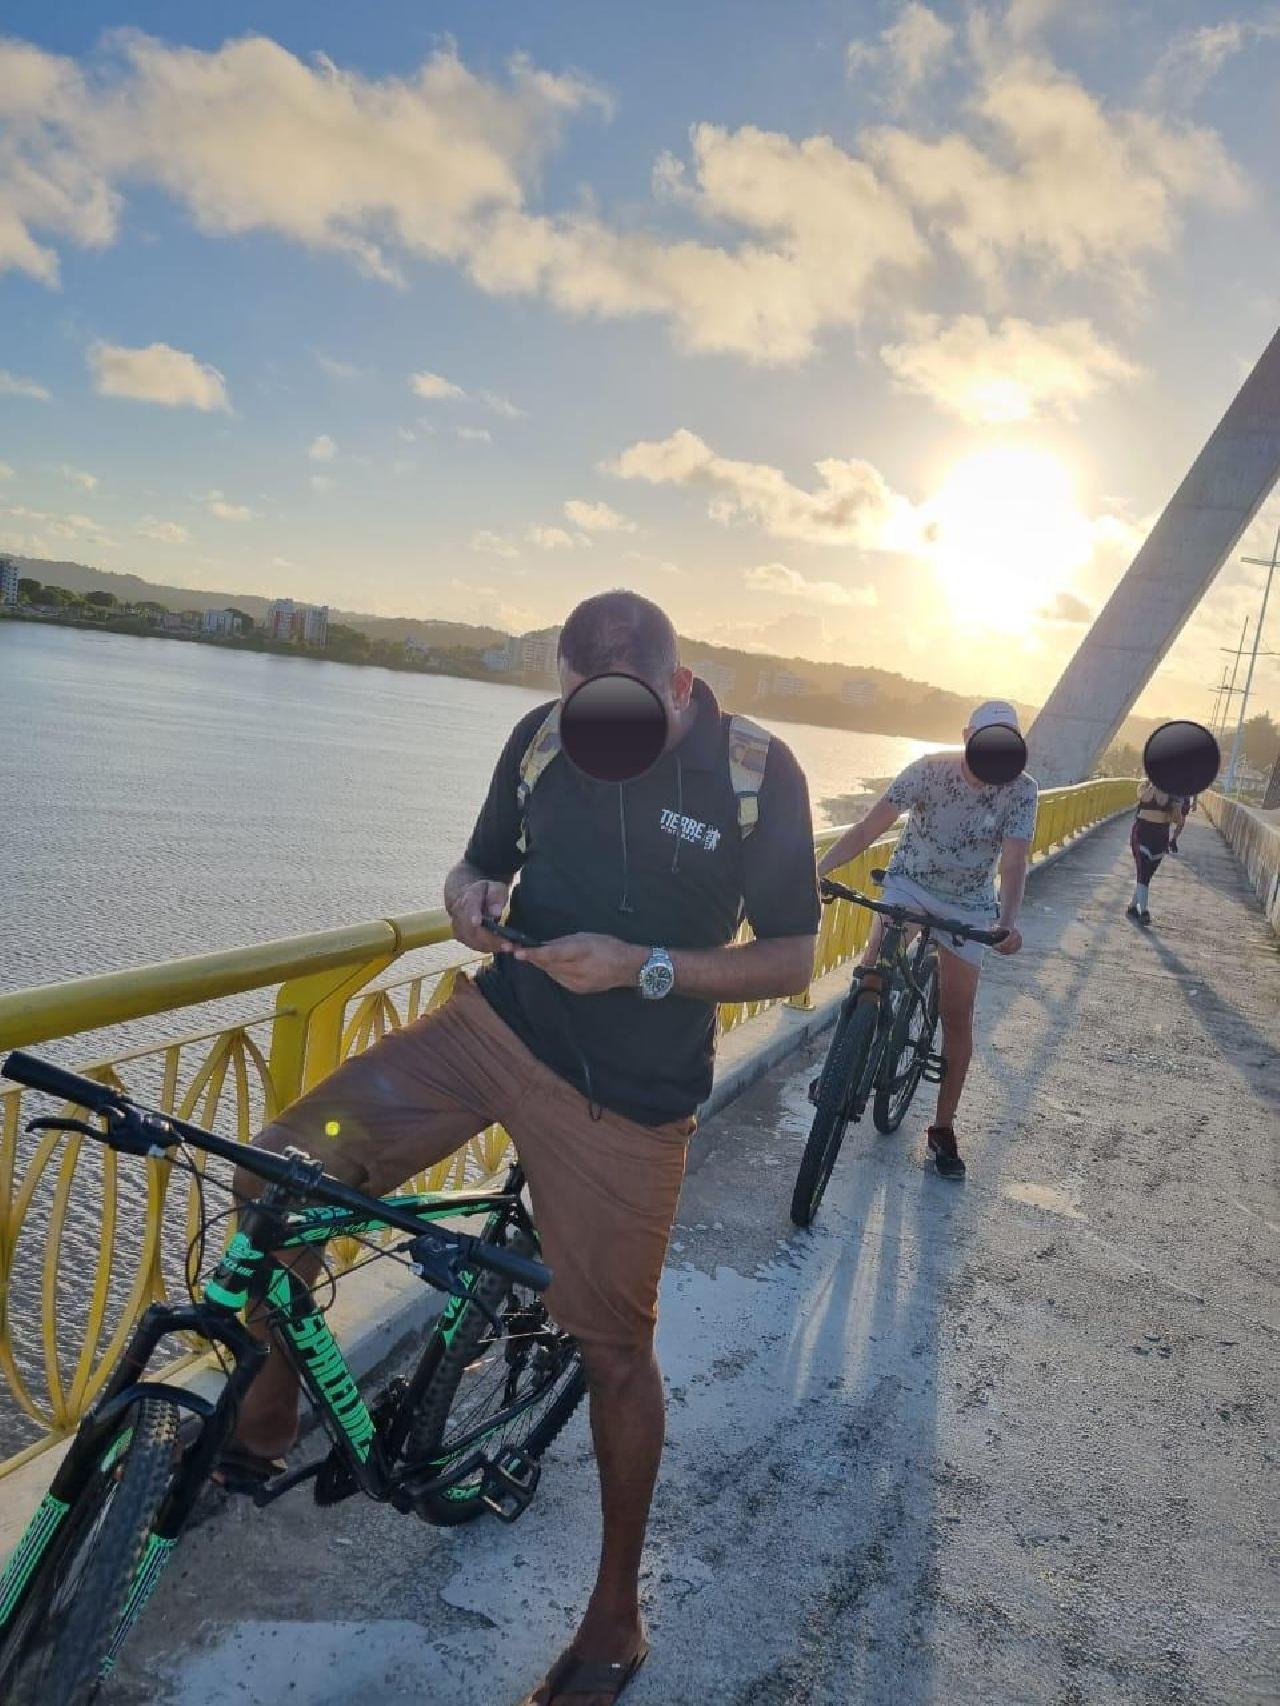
[
  {"x": 947, "y": 926},
  {"x": 139, "y": 1131}
]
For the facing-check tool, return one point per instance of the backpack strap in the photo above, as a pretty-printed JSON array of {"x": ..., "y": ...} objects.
[
  {"x": 748, "y": 754},
  {"x": 540, "y": 751}
]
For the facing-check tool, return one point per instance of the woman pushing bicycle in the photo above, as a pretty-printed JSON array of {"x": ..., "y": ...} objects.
[{"x": 959, "y": 827}]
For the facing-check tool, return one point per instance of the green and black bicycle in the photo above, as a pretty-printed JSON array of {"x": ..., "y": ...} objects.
[
  {"x": 464, "y": 1434},
  {"x": 883, "y": 1041}
]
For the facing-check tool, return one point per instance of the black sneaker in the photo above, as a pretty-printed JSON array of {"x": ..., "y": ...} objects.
[
  {"x": 942, "y": 1146},
  {"x": 1131, "y": 911},
  {"x": 1144, "y": 918}
]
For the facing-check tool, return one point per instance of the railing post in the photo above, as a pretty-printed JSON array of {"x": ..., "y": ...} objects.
[{"x": 306, "y": 1038}]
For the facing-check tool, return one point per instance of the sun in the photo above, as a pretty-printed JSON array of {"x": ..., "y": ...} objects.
[{"x": 1006, "y": 533}]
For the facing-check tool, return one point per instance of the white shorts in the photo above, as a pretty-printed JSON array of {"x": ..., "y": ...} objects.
[{"x": 902, "y": 891}]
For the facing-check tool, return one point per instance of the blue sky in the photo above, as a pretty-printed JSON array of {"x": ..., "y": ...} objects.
[{"x": 865, "y": 332}]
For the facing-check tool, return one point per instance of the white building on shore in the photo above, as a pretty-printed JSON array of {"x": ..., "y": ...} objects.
[
  {"x": 779, "y": 684},
  {"x": 220, "y": 622},
  {"x": 8, "y": 581},
  {"x": 308, "y": 623}
]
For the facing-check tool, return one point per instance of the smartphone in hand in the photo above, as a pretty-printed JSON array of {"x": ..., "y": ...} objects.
[{"x": 509, "y": 933}]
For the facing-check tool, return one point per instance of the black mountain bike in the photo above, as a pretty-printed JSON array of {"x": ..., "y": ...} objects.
[
  {"x": 883, "y": 1041},
  {"x": 496, "y": 1383}
]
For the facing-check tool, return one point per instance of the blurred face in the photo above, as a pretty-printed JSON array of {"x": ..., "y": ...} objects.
[{"x": 674, "y": 689}]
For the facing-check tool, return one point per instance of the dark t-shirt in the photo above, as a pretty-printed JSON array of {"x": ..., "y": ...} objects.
[{"x": 658, "y": 862}]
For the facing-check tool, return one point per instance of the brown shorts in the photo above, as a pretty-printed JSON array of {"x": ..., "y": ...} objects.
[{"x": 604, "y": 1191}]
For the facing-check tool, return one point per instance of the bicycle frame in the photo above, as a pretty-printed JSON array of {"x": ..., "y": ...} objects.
[
  {"x": 250, "y": 1279},
  {"x": 899, "y": 972}
]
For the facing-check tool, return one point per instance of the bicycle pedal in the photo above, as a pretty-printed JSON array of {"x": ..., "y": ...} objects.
[
  {"x": 510, "y": 1483},
  {"x": 934, "y": 1069},
  {"x": 334, "y": 1480}
]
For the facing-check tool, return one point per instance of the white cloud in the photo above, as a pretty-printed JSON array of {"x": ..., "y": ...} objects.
[
  {"x": 6, "y": 472},
  {"x": 12, "y": 384},
  {"x": 439, "y": 166},
  {"x": 338, "y": 369},
  {"x": 853, "y": 506},
  {"x": 250, "y": 138},
  {"x": 501, "y": 406},
  {"x": 550, "y": 538},
  {"x": 1068, "y": 610},
  {"x": 1026, "y": 18},
  {"x": 1063, "y": 183},
  {"x": 165, "y": 532},
  {"x": 157, "y": 374},
  {"x": 78, "y": 477},
  {"x": 913, "y": 48},
  {"x": 322, "y": 449},
  {"x": 822, "y": 233},
  {"x": 496, "y": 543},
  {"x": 321, "y": 483},
  {"x": 800, "y": 236},
  {"x": 217, "y": 505},
  {"x": 1194, "y": 58},
  {"x": 474, "y": 435},
  {"x": 998, "y": 375},
  {"x": 597, "y": 517},
  {"x": 435, "y": 388},
  {"x": 778, "y": 579}
]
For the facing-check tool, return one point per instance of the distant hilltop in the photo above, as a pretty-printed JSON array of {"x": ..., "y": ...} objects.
[{"x": 802, "y": 690}]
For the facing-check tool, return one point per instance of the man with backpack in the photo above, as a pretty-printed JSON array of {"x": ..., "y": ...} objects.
[{"x": 594, "y": 1051}]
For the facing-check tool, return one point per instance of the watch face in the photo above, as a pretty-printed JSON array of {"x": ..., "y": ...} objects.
[{"x": 656, "y": 979}]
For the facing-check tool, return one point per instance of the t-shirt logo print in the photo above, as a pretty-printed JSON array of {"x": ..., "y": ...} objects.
[{"x": 690, "y": 829}]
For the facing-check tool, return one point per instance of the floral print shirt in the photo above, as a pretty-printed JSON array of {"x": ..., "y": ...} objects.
[{"x": 953, "y": 835}]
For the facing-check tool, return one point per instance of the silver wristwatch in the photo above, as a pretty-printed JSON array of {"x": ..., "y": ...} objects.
[{"x": 657, "y": 975}]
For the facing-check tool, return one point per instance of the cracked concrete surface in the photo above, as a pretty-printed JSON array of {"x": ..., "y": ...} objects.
[{"x": 1008, "y": 1441}]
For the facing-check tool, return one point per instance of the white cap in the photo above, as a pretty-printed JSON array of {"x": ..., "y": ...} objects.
[{"x": 993, "y": 712}]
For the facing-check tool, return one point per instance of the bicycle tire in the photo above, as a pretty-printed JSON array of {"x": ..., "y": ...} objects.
[
  {"x": 890, "y": 1106},
  {"x": 472, "y": 1341},
  {"x": 841, "y": 1075},
  {"x": 52, "y": 1656}
]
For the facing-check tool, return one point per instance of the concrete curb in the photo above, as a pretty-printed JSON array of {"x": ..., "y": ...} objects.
[{"x": 379, "y": 1311}]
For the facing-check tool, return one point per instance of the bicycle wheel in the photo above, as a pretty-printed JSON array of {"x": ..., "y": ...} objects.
[
  {"x": 910, "y": 1041},
  {"x": 60, "y": 1633},
  {"x": 513, "y": 1389},
  {"x": 841, "y": 1079}
]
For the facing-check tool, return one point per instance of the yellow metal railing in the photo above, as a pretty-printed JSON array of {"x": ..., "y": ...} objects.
[{"x": 94, "y": 1272}]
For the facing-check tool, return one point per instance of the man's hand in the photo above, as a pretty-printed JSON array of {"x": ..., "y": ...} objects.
[
  {"x": 1012, "y": 942},
  {"x": 587, "y": 964},
  {"x": 471, "y": 906}
]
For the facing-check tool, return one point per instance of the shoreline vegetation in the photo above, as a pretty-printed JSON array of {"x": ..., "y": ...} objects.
[{"x": 857, "y": 698}]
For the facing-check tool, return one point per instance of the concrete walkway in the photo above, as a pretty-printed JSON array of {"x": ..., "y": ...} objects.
[{"x": 1010, "y": 1441}]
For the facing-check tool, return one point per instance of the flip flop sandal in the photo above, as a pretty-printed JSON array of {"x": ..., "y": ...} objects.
[{"x": 572, "y": 1675}]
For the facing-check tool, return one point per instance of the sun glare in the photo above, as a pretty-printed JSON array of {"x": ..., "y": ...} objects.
[{"x": 1007, "y": 534}]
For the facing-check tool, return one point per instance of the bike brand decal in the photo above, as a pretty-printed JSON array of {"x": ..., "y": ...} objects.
[
  {"x": 153, "y": 1561},
  {"x": 238, "y": 1262},
  {"x": 327, "y": 1367},
  {"x": 28, "y": 1553},
  {"x": 455, "y": 1309}
]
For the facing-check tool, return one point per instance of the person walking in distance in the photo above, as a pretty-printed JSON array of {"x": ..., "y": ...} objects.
[
  {"x": 958, "y": 829},
  {"x": 1156, "y": 825},
  {"x": 594, "y": 1051}
]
